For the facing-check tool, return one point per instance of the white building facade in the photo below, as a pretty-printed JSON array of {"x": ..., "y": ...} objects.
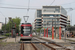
[
  {"x": 49, "y": 16},
  {"x": 1, "y": 25}
]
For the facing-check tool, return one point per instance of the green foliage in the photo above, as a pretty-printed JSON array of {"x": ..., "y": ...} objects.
[
  {"x": 33, "y": 30},
  {"x": 38, "y": 30},
  {"x": 19, "y": 34},
  {"x": 11, "y": 24},
  {"x": 7, "y": 34},
  {"x": 56, "y": 27},
  {"x": 69, "y": 26}
]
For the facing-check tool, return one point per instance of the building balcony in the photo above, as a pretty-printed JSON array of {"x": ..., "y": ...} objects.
[
  {"x": 63, "y": 19},
  {"x": 50, "y": 12},
  {"x": 63, "y": 24},
  {"x": 38, "y": 21},
  {"x": 38, "y": 26},
  {"x": 38, "y": 18},
  {"x": 63, "y": 16}
]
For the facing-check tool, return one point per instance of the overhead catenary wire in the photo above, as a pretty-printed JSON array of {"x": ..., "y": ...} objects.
[
  {"x": 26, "y": 8},
  {"x": 35, "y": 6},
  {"x": 68, "y": 3},
  {"x": 16, "y": 5},
  {"x": 52, "y": 2},
  {"x": 12, "y": 5},
  {"x": 2, "y": 14},
  {"x": 17, "y": 8}
]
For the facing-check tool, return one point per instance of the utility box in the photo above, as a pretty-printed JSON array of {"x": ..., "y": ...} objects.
[{"x": 13, "y": 32}]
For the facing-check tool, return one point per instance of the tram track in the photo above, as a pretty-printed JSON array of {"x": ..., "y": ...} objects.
[
  {"x": 30, "y": 46},
  {"x": 54, "y": 44},
  {"x": 41, "y": 45},
  {"x": 22, "y": 46}
]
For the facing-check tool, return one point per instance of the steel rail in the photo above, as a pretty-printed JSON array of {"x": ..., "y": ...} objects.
[
  {"x": 34, "y": 46},
  {"x": 22, "y": 46},
  {"x": 53, "y": 44},
  {"x": 48, "y": 46},
  {"x": 61, "y": 46}
]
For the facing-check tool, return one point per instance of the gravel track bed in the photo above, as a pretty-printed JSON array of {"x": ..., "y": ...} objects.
[
  {"x": 70, "y": 46},
  {"x": 42, "y": 47},
  {"x": 11, "y": 46}
]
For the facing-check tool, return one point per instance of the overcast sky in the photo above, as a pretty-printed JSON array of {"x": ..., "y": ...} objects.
[{"x": 33, "y": 4}]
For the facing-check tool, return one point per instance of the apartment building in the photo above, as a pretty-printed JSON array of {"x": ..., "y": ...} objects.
[
  {"x": 68, "y": 21},
  {"x": 1, "y": 25},
  {"x": 38, "y": 19},
  {"x": 55, "y": 16},
  {"x": 49, "y": 16}
]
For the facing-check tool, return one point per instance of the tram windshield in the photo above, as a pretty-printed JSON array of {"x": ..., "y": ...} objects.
[{"x": 26, "y": 30}]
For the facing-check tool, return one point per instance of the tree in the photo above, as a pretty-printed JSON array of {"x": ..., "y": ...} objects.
[
  {"x": 33, "y": 30},
  {"x": 38, "y": 30},
  {"x": 11, "y": 24},
  {"x": 68, "y": 25},
  {"x": 56, "y": 27}
]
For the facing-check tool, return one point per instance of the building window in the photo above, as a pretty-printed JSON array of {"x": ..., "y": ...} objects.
[
  {"x": 39, "y": 13},
  {"x": 51, "y": 15}
]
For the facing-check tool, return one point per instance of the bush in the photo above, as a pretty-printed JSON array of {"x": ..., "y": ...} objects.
[{"x": 7, "y": 34}]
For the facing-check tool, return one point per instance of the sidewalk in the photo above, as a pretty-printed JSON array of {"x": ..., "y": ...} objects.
[
  {"x": 54, "y": 40},
  {"x": 2, "y": 37},
  {"x": 12, "y": 39},
  {"x": 71, "y": 39},
  {"x": 58, "y": 40}
]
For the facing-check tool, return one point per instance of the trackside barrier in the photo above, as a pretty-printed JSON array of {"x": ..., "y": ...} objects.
[
  {"x": 44, "y": 32},
  {"x": 47, "y": 33}
]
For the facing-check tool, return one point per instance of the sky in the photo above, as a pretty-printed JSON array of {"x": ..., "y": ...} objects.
[{"x": 33, "y": 4}]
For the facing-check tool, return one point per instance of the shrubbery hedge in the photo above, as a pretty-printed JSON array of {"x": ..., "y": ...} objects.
[{"x": 7, "y": 34}]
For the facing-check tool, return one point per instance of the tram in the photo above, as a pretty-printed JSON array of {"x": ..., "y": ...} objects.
[{"x": 26, "y": 31}]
